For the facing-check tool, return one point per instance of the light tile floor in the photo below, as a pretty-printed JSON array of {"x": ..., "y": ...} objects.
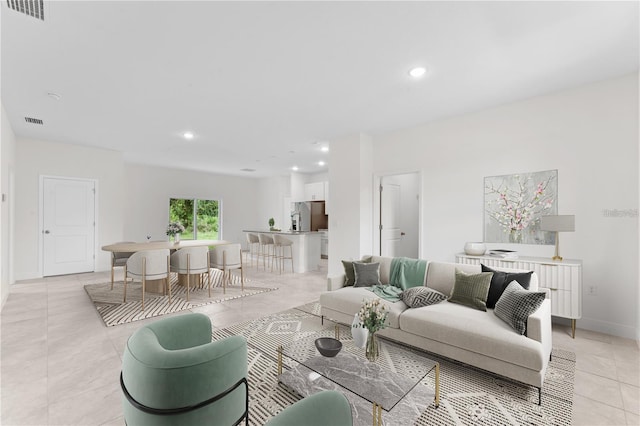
[{"x": 59, "y": 364}]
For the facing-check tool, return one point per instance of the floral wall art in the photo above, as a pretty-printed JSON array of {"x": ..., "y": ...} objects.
[{"x": 513, "y": 205}]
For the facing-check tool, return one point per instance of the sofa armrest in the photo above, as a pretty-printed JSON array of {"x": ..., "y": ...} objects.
[
  {"x": 336, "y": 282},
  {"x": 539, "y": 326}
]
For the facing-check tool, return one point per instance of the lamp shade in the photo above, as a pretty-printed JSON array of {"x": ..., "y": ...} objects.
[{"x": 559, "y": 223}]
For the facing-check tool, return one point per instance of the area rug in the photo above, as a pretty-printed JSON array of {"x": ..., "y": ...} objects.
[
  {"x": 109, "y": 304},
  {"x": 468, "y": 396}
]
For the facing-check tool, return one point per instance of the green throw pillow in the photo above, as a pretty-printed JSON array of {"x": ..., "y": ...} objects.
[
  {"x": 471, "y": 289},
  {"x": 516, "y": 304},
  {"x": 367, "y": 274},
  {"x": 348, "y": 270}
]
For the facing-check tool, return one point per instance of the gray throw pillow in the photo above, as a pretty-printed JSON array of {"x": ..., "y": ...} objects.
[
  {"x": 417, "y": 297},
  {"x": 367, "y": 274},
  {"x": 516, "y": 304},
  {"x": 348, "y": 270},
  {"x": 471, "y": 289}
]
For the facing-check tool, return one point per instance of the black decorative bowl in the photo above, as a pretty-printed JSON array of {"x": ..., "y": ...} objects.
[{"x": 328, "y": 346}]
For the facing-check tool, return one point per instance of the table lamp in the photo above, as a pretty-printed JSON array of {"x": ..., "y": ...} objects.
[{"x": 557, "y": 224}]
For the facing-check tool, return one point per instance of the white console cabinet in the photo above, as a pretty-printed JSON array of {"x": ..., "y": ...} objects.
[{"x": 563, "y": 280}]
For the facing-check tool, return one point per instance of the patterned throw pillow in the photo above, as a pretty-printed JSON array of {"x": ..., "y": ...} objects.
[
  {"x": 501, "y": 280},
  {"x": 471, "y": 289},
  {"x": 348, "y": 270},
  {"x": 367, "y": 274},
  {"x": 417, "y": 297},
  {"x": 516, "y": 304}
]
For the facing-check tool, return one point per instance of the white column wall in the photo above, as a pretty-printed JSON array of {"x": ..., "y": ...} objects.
[
  {"x": 7, "y": 211},
  {"x": 590, "y": 134}
]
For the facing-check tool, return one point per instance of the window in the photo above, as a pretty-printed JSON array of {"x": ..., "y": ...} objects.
[{"x": 200, "y": 218}]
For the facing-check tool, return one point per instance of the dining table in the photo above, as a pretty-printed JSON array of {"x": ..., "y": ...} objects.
[{"x": 156, "y": 286}]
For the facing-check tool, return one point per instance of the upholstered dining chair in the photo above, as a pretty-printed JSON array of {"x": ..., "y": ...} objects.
[
  {"x": 281, "y": 243},
  {"x": 227, "y": 257},
  {"x": 173, "y": 374},
  {"x": 119, "y": 259},
  {"x": 266, "y": 250},
  {"x": 192, "y": 260},
  {"x": 320, "y": 409},
  {"x": 148, "y": 265}
]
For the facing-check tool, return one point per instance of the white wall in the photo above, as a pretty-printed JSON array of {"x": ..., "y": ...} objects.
[
  {"x": 7, "y": 211},
  {"x": 150, "y": 188},
  {"x": 351, "y": 189},
  {"x": 590, "y": 134},
  {"x": 270, "y": 202},
  {"x": 35, "y": 158}
]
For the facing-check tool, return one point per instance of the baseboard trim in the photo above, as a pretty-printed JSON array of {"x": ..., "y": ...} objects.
[{"x": 606, "y": 327}]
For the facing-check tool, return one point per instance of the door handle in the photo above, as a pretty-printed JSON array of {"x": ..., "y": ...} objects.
[{"x": 47, "y": 231}]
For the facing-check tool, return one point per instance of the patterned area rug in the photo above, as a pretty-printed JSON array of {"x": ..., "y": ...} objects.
[
  {"x": 468, "y": 396},
  {"x": 109, "y": 304}
]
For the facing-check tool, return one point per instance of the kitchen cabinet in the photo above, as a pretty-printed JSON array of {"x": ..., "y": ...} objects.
[
  {"x": 326, "y": 198},
  {"x": 314, "y": 191}
]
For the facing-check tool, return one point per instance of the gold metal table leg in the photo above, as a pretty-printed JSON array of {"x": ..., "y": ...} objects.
[
  {"x": 377, "y": 414},
  {"x": 437, "y": 401},
  {"x": 573, "y": 328},
  {"x": 279, "y": 360},
  {"x": 337, "y": 332}
]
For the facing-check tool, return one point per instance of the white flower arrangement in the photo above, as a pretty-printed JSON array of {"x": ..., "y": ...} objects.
[
  {"x": 373, "y": 315},
  {"x": 174, "y": 228}
]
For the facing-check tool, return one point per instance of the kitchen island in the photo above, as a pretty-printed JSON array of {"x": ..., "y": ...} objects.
[{"x": 306, "y": 249}]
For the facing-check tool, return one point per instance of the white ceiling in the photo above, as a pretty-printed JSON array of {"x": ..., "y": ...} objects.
[{"x": 264, "y": 84}]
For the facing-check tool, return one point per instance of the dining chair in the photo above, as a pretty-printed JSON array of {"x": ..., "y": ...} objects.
[
  {"x": 279, "y": 245},
  {"x": 119, "y": 259},
  {"x": 174, "y": 374},
  {"x": 148, "y": 265},
  {"x": 227, "y": 257},
  {"x": 192, "y": 260}
]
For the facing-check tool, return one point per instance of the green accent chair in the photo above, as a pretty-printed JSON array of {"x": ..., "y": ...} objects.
[
  {"x": 320, "y": 409},
  {"x": 173, "y": 374}
]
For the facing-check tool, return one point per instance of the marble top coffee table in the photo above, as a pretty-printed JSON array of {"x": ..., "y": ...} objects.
[{"x": 377, "y": 384}]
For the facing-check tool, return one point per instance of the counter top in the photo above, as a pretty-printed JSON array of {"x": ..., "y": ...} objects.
[{"x": 283, "y": 232}]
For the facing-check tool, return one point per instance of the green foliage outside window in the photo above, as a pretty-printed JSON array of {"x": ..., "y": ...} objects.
[{"x": 207, "y": 218}]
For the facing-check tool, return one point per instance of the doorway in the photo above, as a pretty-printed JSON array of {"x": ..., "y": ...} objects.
[
  {"x": 398, "y": 215},
  {"x": 68, "y": 225}
]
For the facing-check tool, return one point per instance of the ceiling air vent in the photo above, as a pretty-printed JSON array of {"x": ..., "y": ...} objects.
[
  {"x": 247, "y": 170},
  {"x": 33, "y": 8},
  {"x": 31, "y": 120}
]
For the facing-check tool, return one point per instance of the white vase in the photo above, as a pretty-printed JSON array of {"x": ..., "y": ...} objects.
[
  {"x": 358, "y": 333},
  {"x": 176, "y": 238},
  {"x": 475, "y": 249}
]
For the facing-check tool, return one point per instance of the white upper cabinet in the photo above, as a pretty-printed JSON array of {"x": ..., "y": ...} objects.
[{"x": 314, "y": 191}]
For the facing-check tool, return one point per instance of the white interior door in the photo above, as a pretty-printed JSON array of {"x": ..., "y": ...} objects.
[
  {"x": 68, "y": 226},
  {"x": 390, "y": 233}
]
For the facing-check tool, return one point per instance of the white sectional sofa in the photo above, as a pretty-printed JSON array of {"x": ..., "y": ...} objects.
[{"x": 458, "y": 332}]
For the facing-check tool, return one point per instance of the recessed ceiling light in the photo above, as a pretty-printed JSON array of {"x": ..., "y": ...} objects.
[
  {"x": 417, "y": 72},
  {"x": 320, "y": 163},
  {"x": 324, "y": 149},
  {"x": 188, "y": 135},
  {"x": 294, "y": 168}
]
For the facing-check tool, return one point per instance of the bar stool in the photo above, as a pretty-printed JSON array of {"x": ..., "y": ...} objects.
[
  {"x": 280, "y": 243},
  {"x": 266, "y": 250},
  {"x": 253, "y": 242}
]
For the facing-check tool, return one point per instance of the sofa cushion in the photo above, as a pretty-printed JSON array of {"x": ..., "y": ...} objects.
[
  {"x": 385, "y": 267},
  {"x": 471, "y": 289},
  {"x": 366, "y": 274},
  {"x": 350, "y": 277},
  {"x": 501, "y": 280},
  {"x": 349, "y": 300},
  {"x": 473, "y": 330},
  {"x": 417, "y": 297},
  {"x": 516, "y": 304}
]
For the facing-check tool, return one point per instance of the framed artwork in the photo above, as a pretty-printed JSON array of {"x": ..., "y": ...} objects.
[{"x": 513, "y": 205}]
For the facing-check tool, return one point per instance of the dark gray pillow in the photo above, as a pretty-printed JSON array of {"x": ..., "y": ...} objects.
[
  {"x": 471, "y": 289},
  {"x": 348, "y": 270},
  {"x": 501, "y": 280},
  {"x": 367, "y": 274},
  {"x": 417, "y": 297},
  {"x": 516, "y": 304}
]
